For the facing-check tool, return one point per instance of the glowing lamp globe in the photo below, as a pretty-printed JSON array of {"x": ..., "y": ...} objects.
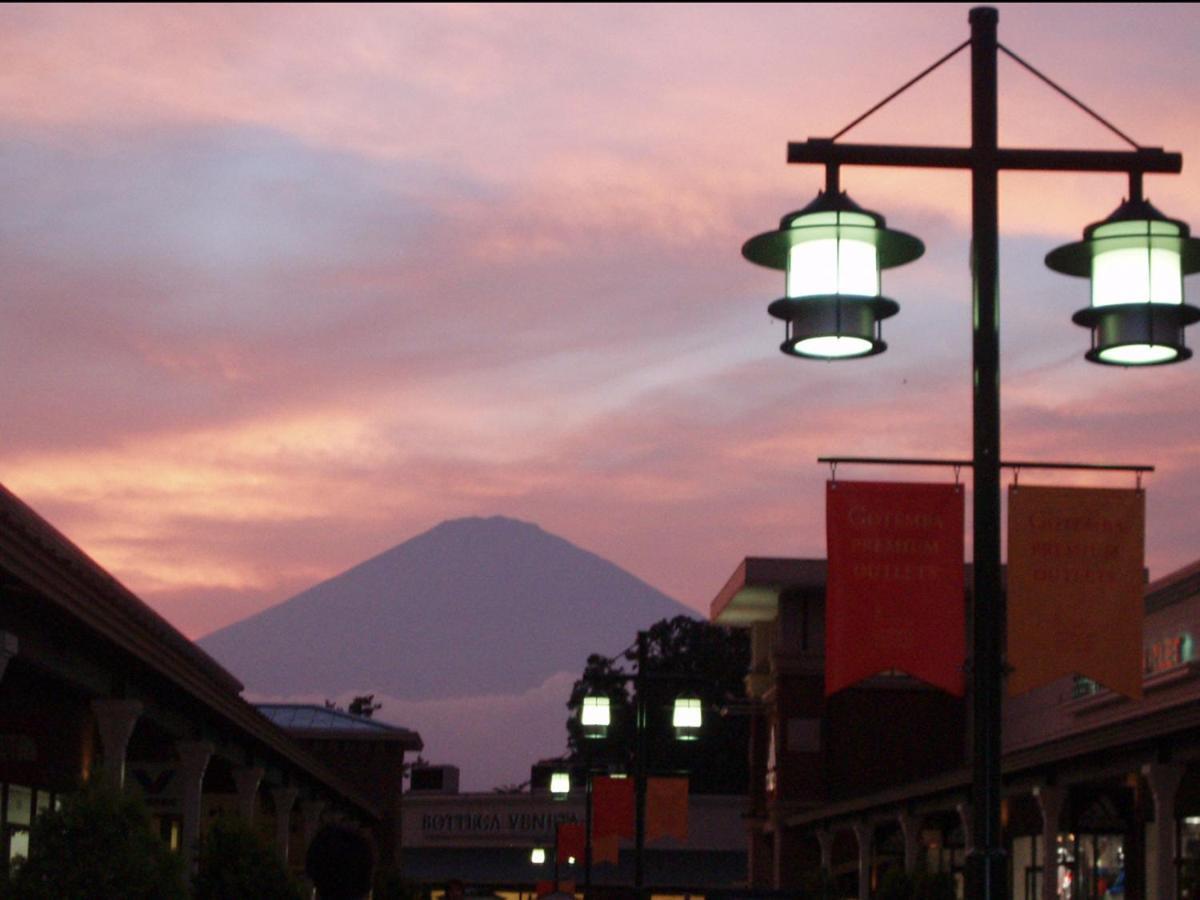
[
  {"x": 687, "y": 718},
  {"x": 560, "y": 783},
  {"x": 595, "y": 716},
  {"x": 832, "y": 252},
  {"x": 538, "y": 856},
  {"x": 1136, "y": 260}
]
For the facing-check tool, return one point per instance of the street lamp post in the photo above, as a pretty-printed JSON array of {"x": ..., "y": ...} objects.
[
  {"x": 1134, "y": 327},
  {"x": 595, "y": 718}
]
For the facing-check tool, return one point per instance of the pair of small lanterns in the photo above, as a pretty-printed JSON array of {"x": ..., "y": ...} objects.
[
  {"x": 833, "y": 252},
  {"x": 687, "y": 717}
]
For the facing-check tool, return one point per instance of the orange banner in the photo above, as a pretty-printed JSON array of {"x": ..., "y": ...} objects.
[
  {"x": 606, "y": 849},
  {"x": 666, "y": 808},
  {"x": 1076, "y": 586},
  {"x": 894, "y": 595}
]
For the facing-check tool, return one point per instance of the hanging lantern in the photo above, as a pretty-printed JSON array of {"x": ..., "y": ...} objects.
[
  {"x": 595, "y": 716},
  {"x": 1136, "y": 260},
  {"x": 537, "y": 856},
  {"x": 833, "y": 251},
  {"x": 687, "y": 718},
  {"x": 560, "y": 784}
]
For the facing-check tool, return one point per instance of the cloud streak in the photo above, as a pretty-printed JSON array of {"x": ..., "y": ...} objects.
[{"x": 283, "y": 287}]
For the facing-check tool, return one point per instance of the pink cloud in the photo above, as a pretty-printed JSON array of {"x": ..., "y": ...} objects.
[{"x": 285, "y": 287}]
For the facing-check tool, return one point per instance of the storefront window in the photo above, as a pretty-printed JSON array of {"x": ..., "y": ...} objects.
[
  {"x": 1189, "y": 858},
  {"x": 1091, "y": 867},
  {"x": 18, "y": 806},
  {"x": 19, "y": 810}
]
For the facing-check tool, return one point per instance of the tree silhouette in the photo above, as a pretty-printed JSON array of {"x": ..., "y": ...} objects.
[{"x": 683, "y": 656}]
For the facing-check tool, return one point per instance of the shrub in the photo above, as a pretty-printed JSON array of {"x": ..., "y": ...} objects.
[
  {"x": 235, "y": 863},
  {"x": 99, "y": 846}
]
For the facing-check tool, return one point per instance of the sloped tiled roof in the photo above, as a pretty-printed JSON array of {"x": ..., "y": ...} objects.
[{"x": 310, "y": 718}]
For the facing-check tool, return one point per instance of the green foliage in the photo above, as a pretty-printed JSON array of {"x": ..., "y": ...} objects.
[
  {"x": 235, "y": 863},
  {"x": 99, "y": 846},
  {"x": 898, "y": 885},
  {"x": 818, "y": 886},
  {"x": 684, "y": 655},
  {"x": 933, "y": 886},
  {"x": 391, "y": 886},
  {"x": 364, "y": 705}
]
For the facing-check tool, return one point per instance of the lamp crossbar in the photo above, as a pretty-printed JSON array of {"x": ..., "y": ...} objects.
[{"x": 824, "y": 151}]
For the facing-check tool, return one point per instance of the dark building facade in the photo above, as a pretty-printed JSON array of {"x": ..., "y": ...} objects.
[
  {"x": 1101, "y": 793},
  {"x": 367, "y": 753},
  {"x": 94, "y": 684}
]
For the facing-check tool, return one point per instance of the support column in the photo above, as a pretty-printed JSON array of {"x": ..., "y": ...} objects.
[
  {"x": 1163, "y": 779},
  {"x": 965, "y": 816},
  {"x": 864, "y": 832},
  {"x": 193, "y": 762},
  {"x": 247, "y": 779},
  {"x": 311, "y": 811},
  {"x": 825, "y": 839},
  {"x": 1050, "y": 799},
  {"x": 910, "y": 825},
  {"x": 284, "y": 799},
  {"x": 8, "y": 649},
  {"x": 115, "y": 720},
  {"x": 785, "y": 871}
]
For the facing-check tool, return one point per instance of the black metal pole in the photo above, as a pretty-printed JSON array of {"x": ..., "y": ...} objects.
[
  {"x": 986, "y": 863},
  {"x": 587, "y": 824},
  {"x": 639, "y": 865}
]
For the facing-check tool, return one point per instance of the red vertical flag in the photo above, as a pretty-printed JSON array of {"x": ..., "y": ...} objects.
[
  {"x": 612, "y": 807},
  {"x": 570, "y": 841},
  {"x": 894, "y": 594}
]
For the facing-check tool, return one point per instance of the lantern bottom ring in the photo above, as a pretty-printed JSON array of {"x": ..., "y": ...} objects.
[
  {"x": 833, "y": 326},
  {"x": 1137, "y": 334}
]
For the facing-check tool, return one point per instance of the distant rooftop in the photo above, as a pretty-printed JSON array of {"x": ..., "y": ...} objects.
[{"x": 320, "y": 721}]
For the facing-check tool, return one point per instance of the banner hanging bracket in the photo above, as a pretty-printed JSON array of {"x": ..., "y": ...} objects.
[{"x": 959, "y": 464}]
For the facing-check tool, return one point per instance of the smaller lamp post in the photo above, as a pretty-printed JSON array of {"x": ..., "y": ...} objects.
[
  {"x": 560, "y": 785},
  {"x": 687, "y": 717},
  {"x": 595, "y": 718}
]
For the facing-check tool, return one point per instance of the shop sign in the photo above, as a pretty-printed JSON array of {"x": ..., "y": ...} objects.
[
  {"x": 1169, "y": 653},
  {"x": 159, "y": 785},
  {"x": 493, "y": 823}
]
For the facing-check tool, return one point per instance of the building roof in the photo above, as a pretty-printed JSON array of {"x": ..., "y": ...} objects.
[
  {"x": 752, "y": 592},
  {"x": 310, "y": 720}
]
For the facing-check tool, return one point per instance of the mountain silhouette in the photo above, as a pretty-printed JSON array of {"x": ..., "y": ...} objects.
[{"x": 473, "y": 606}]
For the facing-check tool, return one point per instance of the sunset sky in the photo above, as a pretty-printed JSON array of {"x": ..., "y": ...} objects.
[{"x": 281, "y": 287}]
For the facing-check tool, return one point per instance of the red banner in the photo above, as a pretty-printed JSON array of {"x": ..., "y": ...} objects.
[
  {"x": 612, "y": 806},
  {"x": 1076, "y": 586},
  {"x": 570, "y": 841},
  {"x": 894, "y": 594}
]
